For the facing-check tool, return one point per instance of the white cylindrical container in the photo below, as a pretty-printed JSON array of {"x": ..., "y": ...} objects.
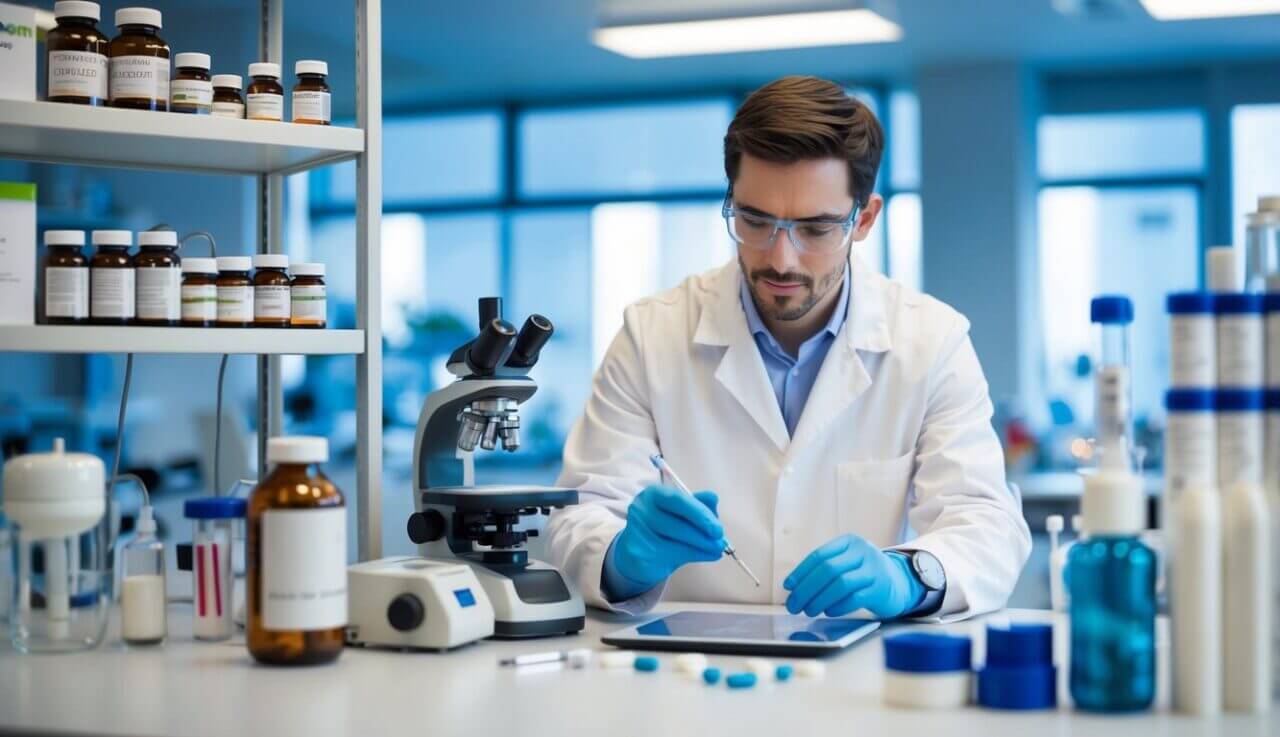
[
  {"x": 1195, "y": 601},
  {"x": 1247, "y": 598},
  {"x": 1271, "y": 319},
  {"x": 1239, "y": 333},
  {"x": 1192, "y": 356},
  {"x": 1223, "y": 272},
  {"x": 927, "y": 671},
  {"x": 1240, "y": 431},
  {"x": 1190, "y": 439}
]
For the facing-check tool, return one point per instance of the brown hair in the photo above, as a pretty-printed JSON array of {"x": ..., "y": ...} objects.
[{"x": 800, "y": 118}]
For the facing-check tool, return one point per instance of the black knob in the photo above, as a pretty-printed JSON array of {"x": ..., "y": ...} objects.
[
  {"x": 490, "y": 310},
  {"x": 405, "y": 612},
  {"x": 534, "y": 334},
  {"x": 488, "y": 347},
  {"x": 426, "y": 527}
]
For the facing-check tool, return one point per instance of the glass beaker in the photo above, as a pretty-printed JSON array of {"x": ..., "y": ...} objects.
[{"x": 62, "y": 594}]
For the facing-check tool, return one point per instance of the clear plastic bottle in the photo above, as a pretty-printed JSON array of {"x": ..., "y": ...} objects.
[
  {"x": 142, "y": 607},
  {"x": 1113, "y": 405}
]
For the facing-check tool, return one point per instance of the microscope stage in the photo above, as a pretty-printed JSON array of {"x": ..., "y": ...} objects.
[{"x": 499, "y": 497}]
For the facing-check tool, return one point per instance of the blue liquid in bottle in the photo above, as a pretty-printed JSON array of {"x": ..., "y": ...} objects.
[{"x": 1113, "y": 613}]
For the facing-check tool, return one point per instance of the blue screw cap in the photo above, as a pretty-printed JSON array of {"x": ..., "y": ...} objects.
[
  {"x": 1019, "y": 645},
  {"x": 1189, "y": 400},
  {"x": 1111, "y": 309},
  {"x": 214, "y": 507},
  {"x": 926, "y": 652},
  {"x": 1189, "y": 303},
  {"x": 1018, "y": 688}
]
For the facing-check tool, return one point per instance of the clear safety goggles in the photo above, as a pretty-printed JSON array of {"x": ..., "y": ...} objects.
[{"x": 810, "y": 235}]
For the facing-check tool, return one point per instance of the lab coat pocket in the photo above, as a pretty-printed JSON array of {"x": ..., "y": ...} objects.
[{"x": 871, "y": 497}]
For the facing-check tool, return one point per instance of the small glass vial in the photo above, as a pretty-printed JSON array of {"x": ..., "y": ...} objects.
[
  {"x": 296, "y": 558},
  {"x": 311, "y": 93},
  {"x": 111, "y": 278},
  {"x": 142, "y": 591},
  {"x": 159, "y": 277},
  {"x": 139, "y": 61},
  {"x": 235, "y": 292},
  {"x": 66, "y": 278},
  {"x": 227, "y": 101},
  {"x": 308, "y": 301},
  {"x": 77, "y": 55},
  {"x": 212, "y": 546},
  {"x": 271, "y": 290},
  {"x": 264, "y": 100},
  {"x": 199, "y": 292},
  {"x": 191, "y": 90}
]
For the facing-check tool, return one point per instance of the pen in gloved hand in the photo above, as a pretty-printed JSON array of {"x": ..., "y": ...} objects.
[{"x": 661, "y": 464}]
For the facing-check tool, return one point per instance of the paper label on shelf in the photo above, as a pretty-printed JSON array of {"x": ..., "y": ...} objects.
[
  {"x": 304, "y": 569},
  {"x": 308, "y": 303},
  {"x": 200, "y": 303},
  {"x": 146, "y": 77},
  {"x": 235, "y": 304},
  {"x": 196, "y": 93},
  {"x": 77, "y": 74},
  {"x": 160, "y": 294},
  {"x": 228, "y": 110},
  {"x": 264, "y": 106},
  {"x": 66, "y": 291},
  {"x": 111, "y": 293},
  {"x": 309, "y": 105},
  {"x": 271, "y": 301}
]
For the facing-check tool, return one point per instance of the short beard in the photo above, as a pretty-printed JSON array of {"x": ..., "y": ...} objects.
[{"x": 784, "y": 309}]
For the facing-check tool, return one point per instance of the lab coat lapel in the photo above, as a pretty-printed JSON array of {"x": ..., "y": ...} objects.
[{"x": 741, "y": 369}]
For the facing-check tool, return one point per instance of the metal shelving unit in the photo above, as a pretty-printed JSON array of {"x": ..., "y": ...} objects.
[{"x": 50, "y": 132}]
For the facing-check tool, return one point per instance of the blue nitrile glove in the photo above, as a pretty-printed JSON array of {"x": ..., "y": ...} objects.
[
  {"x": 848, "y": 574},
  {"x": 666, "y": 529}
]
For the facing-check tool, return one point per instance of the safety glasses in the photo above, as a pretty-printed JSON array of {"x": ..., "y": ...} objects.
[{"x": 810, "y": 235}]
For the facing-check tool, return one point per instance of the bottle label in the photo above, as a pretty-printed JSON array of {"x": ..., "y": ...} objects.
[
  {"x": 196, "y": 93},
  {"x": 304, "y": 569},
  {"x": 77, "y": 74},
  {"x": 160, "y": 293},
  {"x": 228, "y": 110},
  {"x": 264, "y": 106},
  {"x": 111, "y": 293},
  {"x": 146, "y": 77},
  {"x": 311, "y": 105},
  {"x": 308, "y": 303},
  {"x": 66, "y": 291},
  {"x": 200, "y": 303},
  {"x": 271, "y": 302},
  {"x": 235, "y": 304}
]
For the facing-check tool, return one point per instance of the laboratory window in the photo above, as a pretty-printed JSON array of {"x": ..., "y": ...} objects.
[
  {"x": 1121, "y": 144},
  {"x": 1255, "y": 149}
]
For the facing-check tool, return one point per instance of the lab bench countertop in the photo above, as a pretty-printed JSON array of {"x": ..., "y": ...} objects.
[{"x": 189, "y": 688}]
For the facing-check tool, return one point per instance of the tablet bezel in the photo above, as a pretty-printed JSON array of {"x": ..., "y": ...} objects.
[{"x": 630, "y": 637}]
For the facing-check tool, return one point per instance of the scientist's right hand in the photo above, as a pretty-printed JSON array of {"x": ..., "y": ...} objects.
[{"x": 666, "y": 528}]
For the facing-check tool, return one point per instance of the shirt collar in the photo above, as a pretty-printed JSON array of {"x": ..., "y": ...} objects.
[{"x": 756, "y": 325}]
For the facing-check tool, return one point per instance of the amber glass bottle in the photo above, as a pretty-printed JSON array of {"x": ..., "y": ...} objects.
[
  {"x": 77, "y": 55},
  {"x": 264, "y": 100},
  {"x": 311, "y": 93},
  {"x": 227, "y": 101},
  {"x": 296, "y": 558},
  {"x": 270, "y": 290},
  {"x": 158, "y": 279},
  {"x": 111, "y": 278},
  {"x": 65, "y": 278},
  {"x": 139, "y": 61}
]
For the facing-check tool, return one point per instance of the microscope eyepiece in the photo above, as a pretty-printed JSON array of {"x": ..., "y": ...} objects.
[
  {"x": 490, "y": 310},
  {"x": 533, "y": 336},
  {"x": 487, "y": 349}
]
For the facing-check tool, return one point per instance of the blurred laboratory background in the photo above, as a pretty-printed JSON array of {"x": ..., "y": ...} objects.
[{"x": 1039, "y": 152}]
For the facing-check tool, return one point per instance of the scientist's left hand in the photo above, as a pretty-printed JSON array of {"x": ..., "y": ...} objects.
[{"x": 848, "y": 574}]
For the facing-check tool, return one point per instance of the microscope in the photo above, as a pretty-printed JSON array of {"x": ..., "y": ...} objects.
[{"x": 480, "y": 525}]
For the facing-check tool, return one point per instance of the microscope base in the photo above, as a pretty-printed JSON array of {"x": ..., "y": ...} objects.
[{"x": 534, "y": 601}]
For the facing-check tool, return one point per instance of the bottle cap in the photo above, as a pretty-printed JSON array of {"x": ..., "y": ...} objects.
[
  {"x": 264, "y": 69},
  {"x": 64, "y": 237},
  {"x": 199, "y": 266},
  {"x": 926, "y": 652},
  {"x": 138, "y": 17},
  {"x": 1271, "y": 302},
  {"x": 1269, "y": 203},
  {"x": 1113, "y": 502},
  {"x": 1020, "y": 644},
  {"x": 1189, "y": 303},
  {"x": 1111, "y": 309},
  {"x": 77, "y": 9},
  {"x": 112, "y": 238},
  {"x": 1239, "y": 400},
  {"x": 227, "y": 80},
  {"x": 311, "y": 66},
  {"x": 1271, "y": 398},
  {"x": 1020, "y": 688},
  {"x": 214, "y": 507},
  {"x": 146, "y": 521},
  {"x": 234, "y": 263},
  {"x": 1189, "y": 400},
  {"x": 192, "y": 59},
  {"x": 298, "y": 449},
  {"x": 1222, "y": 269},
  {"x": 270, "y": 261},
  {"x": 158, "y": 238},
  {"x": 1238, "y": 303},
  {"x": 307, "y": 269},
  {"x": 1053, "y": 523}
]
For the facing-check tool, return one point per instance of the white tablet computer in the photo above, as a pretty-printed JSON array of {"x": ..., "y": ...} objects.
[{"x": 744, "y": 634}]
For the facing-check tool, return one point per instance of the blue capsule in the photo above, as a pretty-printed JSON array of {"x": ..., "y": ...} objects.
[
  {"x": 783, "y": 673},
  {"x": 647, "y": 663},
  {"x": 741, "y": 680},
  {"x": 711, "y": 676}
]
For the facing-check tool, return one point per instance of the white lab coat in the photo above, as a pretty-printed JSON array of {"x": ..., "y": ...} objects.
[{"x": 895, "y": 436}]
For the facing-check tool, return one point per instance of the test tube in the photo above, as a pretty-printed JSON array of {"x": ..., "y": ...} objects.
[
  {"x": 213, "y": 579},
  {"x": 1113, "y": 404}
]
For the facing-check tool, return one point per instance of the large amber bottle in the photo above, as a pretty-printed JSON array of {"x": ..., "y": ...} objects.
[{"x": 297, "y": 558}]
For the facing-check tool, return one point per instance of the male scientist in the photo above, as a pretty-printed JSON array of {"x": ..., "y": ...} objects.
[{"x": 840, "y": 419}]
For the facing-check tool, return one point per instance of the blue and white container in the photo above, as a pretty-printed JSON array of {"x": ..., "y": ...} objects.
[
  {"x": 926, "y": 670},
  {"x": 1190, "y": 440},
  {"x": 1193, "y": 358},
  {"x": 1239, "y": 333},
  {"x": 1019, "y": 673},
  {"x": 1240, "y": 431}
]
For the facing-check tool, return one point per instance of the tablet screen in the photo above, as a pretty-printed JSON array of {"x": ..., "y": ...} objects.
[{"x": 757, "y": 627}]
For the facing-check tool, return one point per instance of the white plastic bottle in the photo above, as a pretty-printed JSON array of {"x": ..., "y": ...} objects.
[
  {"x": 1246, "y": 598},
  {"x": 1195, "y": 601},
  {"x": 1057, "y": 563}
]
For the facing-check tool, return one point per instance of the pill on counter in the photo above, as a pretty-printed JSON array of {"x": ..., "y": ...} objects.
[
  {"x": 711, "y": 676},
  {"x": 648, "y": 664},
  {"x": 617, "y": 659},
  {"x": 741, "y": 680},
  {"x": 783, "y": 673},
  {"x": 691, "y": 663},
  {"x": 579, "y": 659},
  {"x": 760, "y": 667},
  {"x": 810, "y": 669}
]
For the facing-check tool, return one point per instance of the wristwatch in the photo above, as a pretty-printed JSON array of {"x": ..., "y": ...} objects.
[{"x": 928, "y": 569}]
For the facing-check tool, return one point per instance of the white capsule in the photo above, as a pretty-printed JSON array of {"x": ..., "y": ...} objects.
[
  {"x": 810, "y": 669},
  {"x": 579, "y": 658},
  {"x": 761, "y": 667},
  {"x": 691, "y": 664},
  {"x": 618, "y": 659}
]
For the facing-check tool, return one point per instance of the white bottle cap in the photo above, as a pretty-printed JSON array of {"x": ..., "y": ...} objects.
[
  {"x": 270, "y": 261},
  {"x": 64, "y": 237},
  {"x": 158, "y": 238},
  {"x": 311, "y": 66},
  {"x": 138, "y": 17},
  {"x": 1113, "y": 502},
  {"x": 192, "y": 59},
  {"x": 264, "y": 69},
  {"x": 1222, "y": 267},
  {"x": 1053, "y": 523},
  {"x": 1269, "y": 203},
  {"x": 199, "y": 266},
  {"x": 234, "y": 263},
  {"x": 77, "y": 9},
  {"x": 226, "y": 80},
  {"x": 112, "y": 238},
  {"x": 307, "y": 269},
  {"x": 298, "y": 449}
]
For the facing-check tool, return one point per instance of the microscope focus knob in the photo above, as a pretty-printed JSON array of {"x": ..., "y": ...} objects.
[
  {"x": 426, "y": 527},
  {"x": 405, "y": 612}
]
